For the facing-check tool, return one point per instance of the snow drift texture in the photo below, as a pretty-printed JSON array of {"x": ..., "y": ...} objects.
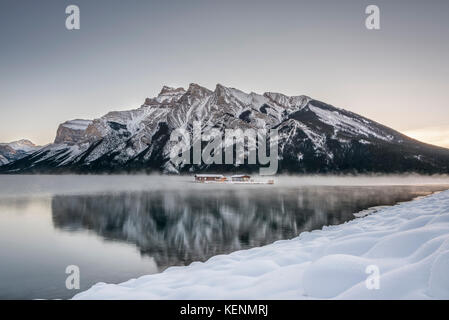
[{"x": 408, "y": 242}]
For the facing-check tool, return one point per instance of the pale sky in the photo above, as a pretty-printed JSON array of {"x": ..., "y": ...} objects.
[{"x": 126, "y": 51}]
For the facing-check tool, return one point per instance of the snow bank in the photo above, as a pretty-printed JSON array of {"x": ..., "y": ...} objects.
[{"x": 408, "y": 243}]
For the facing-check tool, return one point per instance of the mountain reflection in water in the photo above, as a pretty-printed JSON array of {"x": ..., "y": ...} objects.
[{"x": 178, "y": 227}]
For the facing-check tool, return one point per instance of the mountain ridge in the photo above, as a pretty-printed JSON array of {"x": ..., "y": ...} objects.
[
  {"x": 314, "y": 137},
  {"x": 15, "y": 150}
]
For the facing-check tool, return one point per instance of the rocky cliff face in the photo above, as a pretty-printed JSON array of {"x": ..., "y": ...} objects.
[
  {"x": 72, "y": 131},
  {"x": 313, "y": 136}
]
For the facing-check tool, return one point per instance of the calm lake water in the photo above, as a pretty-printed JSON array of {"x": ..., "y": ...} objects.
[{"x": 115, "y": 228}]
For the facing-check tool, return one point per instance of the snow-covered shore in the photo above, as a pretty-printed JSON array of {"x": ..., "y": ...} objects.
[{"x": 408, "y": 243}]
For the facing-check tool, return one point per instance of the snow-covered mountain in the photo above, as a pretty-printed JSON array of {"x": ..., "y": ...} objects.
[
  {"x": 12, "y": 151},
  {"x": 313, "y": 136}
]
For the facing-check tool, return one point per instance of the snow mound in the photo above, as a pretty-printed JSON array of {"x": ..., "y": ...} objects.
[{"x": 406, "y": 245}]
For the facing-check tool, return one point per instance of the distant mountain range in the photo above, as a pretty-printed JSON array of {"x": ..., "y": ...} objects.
[
  {"x": 314, "y": 137},
  {"x": 16, "y": 150}
]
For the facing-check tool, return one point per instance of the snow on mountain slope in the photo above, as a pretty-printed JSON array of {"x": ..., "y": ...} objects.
[
  {"x": 16, "y": 150},
  {"x": 78, "y": 124},
  {"x": 314, "y": 136},
  {"x": 342, "y": 122},
  {"x": 407, "y": 243},
  {"x": 23, "y": 145},
  {"x": 3, "y": 160}
]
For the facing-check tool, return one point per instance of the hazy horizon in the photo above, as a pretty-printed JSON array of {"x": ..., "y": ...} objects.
[{"x": 125, "y": 52}]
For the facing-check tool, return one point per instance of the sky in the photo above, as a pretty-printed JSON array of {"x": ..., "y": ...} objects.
[{"x": 126, "y": 51}]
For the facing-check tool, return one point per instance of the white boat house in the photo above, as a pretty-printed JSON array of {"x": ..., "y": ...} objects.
[
  {"x": 240, "y": 178},
  {"x": 210, "y": 177}
]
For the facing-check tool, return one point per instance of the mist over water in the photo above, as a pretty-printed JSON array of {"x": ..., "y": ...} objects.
[
  {"x": 37, "y": 185},
  {"x": 119, "y": 227}
]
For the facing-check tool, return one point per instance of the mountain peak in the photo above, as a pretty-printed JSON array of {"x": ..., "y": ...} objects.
[
  {"x": 287, "y": 101},
  {"x": 171, "y": 90},
  {"x": 167, "y": 95},
  {"x": 228, "y": 94},
  {"x": 16, "y": 150},
  {"x": 22, "y": 144},
  {"x": 197, "y": 90},
  {"x": 25, "y": 142},
  {"x": 220, "y": 89}
]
